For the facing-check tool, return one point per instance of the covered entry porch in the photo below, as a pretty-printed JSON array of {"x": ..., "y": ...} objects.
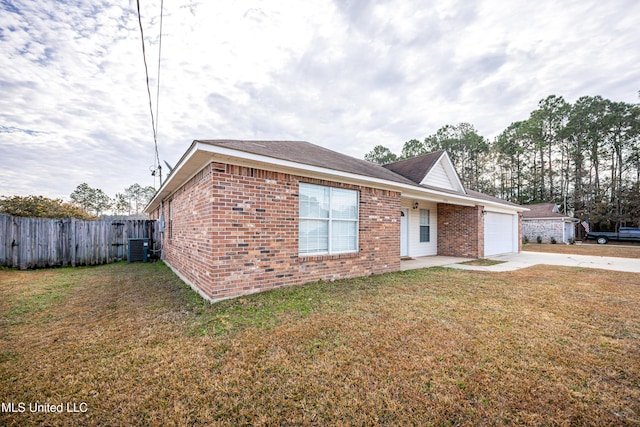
[
  {"x": 466, "y": 229},
  {"x": 431, "y": 227}
]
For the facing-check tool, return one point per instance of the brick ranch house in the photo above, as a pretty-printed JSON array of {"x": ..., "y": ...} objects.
[
  {"x": 240, "y": 217},
  {"x": 545, "y": 220}
]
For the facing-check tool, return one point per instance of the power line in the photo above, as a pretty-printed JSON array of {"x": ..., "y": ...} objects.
[
  {"x": 158, "y": 88},
  {"x": 146, "y": 71}
]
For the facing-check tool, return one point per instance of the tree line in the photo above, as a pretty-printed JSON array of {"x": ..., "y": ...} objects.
[
  {"x": 87, "y": 203},
  {"x": 583, "y": 156},
  {"x": 130, "y": 202}
]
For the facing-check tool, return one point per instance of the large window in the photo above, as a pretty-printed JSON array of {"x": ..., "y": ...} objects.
[
  {"x": 425, "y": 235},
  {"x": 328, "y": 220}
]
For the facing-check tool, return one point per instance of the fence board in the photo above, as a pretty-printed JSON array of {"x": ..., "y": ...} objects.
[
  {"x": 5, "y": 244},
  {"x": 40, "y": 242}
]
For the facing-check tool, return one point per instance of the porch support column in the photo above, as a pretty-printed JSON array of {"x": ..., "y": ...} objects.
[{"x": 460, "y": 231}]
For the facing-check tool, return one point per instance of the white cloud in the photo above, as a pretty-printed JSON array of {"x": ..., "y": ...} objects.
[{"x": 347, "y": 75}]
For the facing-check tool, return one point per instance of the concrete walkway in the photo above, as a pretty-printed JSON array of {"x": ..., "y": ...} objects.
[
  {"x": 527, "y": 259},
  {"x": 430, "y": 261}
]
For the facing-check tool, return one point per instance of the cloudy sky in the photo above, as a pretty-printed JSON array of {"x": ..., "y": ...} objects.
[{"x": 344, "y": 74}]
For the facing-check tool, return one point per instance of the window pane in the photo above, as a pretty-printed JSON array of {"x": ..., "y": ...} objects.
[
  {"x": 344, "y": 204},
  {"x": 343, "y": 236},
  {"x": 424, "y": 233},
  {"x": 314, "y": 201},
  {"x": 424, "y": 216},
  {"x": 317, "y": 226},
  {"x": 314, "y": 236}
]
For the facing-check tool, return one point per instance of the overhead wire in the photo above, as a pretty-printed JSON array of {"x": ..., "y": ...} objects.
[
  {"x": 158, "y": 87},
  {"x": 146, "y": 71}
]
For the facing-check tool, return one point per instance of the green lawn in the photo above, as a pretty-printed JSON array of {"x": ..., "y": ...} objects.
[{"x": 544, "y": 346}]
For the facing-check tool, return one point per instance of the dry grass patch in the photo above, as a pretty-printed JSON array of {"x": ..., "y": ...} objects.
[
  {"x": 620, "y": 251},
  {"x": 545, "y": 345}
]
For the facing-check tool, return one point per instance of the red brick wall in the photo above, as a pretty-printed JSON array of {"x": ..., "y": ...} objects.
[
  {"x": 187, "y": 244},
  {"x": 460, "y": 231},
  {"x": 235, "y": 232},
  {"x": 520, "y": 232}
]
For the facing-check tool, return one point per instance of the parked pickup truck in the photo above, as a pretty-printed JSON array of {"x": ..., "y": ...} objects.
[{"x": 626, "y": 234}]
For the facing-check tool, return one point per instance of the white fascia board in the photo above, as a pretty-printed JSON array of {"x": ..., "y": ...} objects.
[
  {"x": 497, "y": 208},
  {"x": 188, "y": 166},
  {"x": 431, "y": 195},
  {"x": 171, "y": 184},
  {"x": 317, "y": 171},
  {"x": 243, "y": 158}
]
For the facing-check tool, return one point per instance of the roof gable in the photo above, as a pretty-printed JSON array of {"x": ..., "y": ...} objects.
[
  {"x": 444, "y": 175},
  {"x": 434, "y": 170}
]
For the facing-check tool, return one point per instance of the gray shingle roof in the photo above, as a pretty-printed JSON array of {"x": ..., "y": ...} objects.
[
  {"x": 310, "y": 154},
  {"x": 542, "y": 210},
  {"x": 415, "y": 168}
]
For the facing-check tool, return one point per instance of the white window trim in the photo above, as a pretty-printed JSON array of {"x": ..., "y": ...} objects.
[{"x": 330, "y": 220}]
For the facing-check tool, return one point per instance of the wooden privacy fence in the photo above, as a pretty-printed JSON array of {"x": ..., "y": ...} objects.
[{"x": 40, "y": 242}]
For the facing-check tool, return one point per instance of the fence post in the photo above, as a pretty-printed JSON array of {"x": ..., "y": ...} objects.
[
  {"x": 15, "y": 231},
  {"x": 72, "y": 241}
]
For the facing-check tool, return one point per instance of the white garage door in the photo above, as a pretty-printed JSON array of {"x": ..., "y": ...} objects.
[{"x": 499, "y": 233}]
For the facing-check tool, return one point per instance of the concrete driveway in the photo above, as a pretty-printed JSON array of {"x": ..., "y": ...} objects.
[{"x": 528, "y": 259}]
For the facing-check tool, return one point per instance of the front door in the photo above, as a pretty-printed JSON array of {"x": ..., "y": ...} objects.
[{"x": 404, "y": 232}]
